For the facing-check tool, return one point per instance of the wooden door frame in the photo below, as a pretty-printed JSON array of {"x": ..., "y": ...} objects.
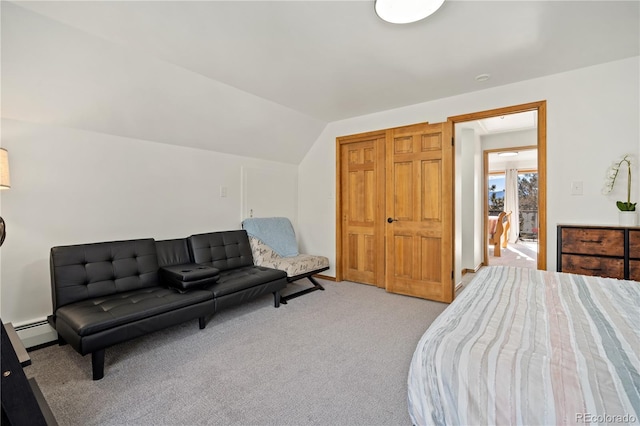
[
  {"x": 541, "y": 108},
  {"x": 380, "y": 210}
]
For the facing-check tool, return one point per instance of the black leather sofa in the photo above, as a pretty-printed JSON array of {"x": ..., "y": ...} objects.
[{"x": 110, "y": 292}]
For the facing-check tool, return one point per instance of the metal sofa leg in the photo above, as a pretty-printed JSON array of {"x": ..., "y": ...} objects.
[
  {"x": 202, "y": 323},
  {"x": 315, "y": 283},
  {"x": 97, "y": 362},
  {"x": 276, "y": 299},
  {"x": 316, "y": 286}
]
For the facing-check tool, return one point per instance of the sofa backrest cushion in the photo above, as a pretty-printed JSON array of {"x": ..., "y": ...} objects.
[
  {"x": 222, "y": 250},
  {"x": 86, "y": 271},
  {"x": 173, "y": 252}
]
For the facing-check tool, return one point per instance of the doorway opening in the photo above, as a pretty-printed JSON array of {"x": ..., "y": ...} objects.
[
  {"x": 512, "y": 129},
  {"x": 512, "y": 176}
]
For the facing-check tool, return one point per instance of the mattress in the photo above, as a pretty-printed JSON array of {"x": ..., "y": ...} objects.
[{"x": 521, "y": 346}]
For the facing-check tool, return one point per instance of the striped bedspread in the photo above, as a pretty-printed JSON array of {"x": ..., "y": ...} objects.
[{"x": 521, "y": 346}]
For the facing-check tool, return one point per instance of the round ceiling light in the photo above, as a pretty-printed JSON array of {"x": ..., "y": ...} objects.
[{"x": 406, "y": 11}]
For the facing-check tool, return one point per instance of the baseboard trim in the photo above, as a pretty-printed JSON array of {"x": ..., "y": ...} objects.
[
  {"x": 325, "y": 277},
  {"x": 467, "y": 270}
]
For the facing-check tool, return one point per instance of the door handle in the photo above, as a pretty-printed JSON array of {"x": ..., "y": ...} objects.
[{"x": 391, "y": 220}]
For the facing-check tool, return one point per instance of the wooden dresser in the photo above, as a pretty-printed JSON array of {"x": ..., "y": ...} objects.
[{"x": 606, "y": 251}]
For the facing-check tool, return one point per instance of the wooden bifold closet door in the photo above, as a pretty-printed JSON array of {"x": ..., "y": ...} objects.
[
  {"x": 362, "y": 202},
  {"x": 396, "y": 210}
]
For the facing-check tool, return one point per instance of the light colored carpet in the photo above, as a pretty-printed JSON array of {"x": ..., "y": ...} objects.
[{"x": 337, "y": 357}]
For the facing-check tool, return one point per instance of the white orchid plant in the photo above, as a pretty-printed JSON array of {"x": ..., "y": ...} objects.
[{"x": 612, "y": 175}]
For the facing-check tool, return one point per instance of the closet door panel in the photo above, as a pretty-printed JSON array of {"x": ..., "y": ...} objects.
[
  {"x": 419, "y": 200},
  {"x": 362, "y": 236}
]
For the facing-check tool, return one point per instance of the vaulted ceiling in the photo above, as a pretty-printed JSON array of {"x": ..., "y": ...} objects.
[{"x": 263, "y": 78}]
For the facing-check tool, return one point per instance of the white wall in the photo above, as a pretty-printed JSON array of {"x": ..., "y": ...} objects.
[
  {"x": 72, "y": 187},
  {"x": 468, "y": 201},
  {"x": 269, "y": 192},
  {"x": 510, "y": 140},
  {"x": 480, "y": 239},
  {"x": 593, "y": 116}
]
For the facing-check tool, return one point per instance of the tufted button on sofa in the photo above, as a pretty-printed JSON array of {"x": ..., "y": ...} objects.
[{"x": 110, "y": 292}]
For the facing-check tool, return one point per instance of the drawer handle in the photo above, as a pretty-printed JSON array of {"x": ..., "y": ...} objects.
[
  {"x": 592, "y": 269},
  {"x": 591, "y": 241}
]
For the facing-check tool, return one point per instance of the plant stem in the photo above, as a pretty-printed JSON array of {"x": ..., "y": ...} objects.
[{"x": 628, "y": 182}]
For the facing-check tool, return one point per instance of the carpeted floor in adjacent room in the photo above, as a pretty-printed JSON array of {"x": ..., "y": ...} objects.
[
  {"x": 337, "y": 357},
  {"x": 522, "y": 254}
]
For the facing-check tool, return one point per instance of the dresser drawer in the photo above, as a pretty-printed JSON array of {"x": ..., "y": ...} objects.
[
  {"x": 590, "y": 265},
  {"x": 634, "y": 270},
  {"x": 607, "y": 242},
  {"x": 634, "y": 244}
]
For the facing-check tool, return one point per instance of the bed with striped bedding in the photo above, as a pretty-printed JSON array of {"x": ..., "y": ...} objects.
[{"x": 520, "y": 346}]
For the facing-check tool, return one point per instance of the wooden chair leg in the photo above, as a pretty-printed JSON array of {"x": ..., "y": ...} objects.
[{"x": 505, "y": 235}]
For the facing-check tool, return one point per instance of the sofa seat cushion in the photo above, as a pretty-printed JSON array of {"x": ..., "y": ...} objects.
[
  {"x": 94, "y": 315},
  {"x": 301, "y": 264},
  {"x": 238, "y": 279}
]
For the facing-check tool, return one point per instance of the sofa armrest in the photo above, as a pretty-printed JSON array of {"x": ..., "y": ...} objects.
[{"x": 189, "y": 275}]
